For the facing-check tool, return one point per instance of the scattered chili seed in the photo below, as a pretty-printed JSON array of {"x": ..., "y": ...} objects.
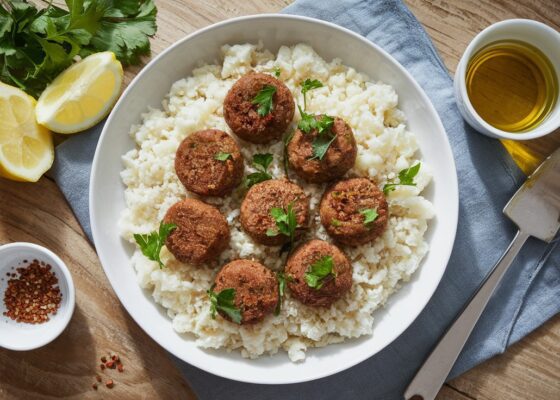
[
  {"x": 120, "y": 367},
  {"x": 110, "y": 384},
  {"x": 32, "y": 294}
]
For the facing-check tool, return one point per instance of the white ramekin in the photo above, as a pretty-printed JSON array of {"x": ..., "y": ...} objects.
[
  {"x": 21, "y": 336},
  {"x": 535, "y": 33}
]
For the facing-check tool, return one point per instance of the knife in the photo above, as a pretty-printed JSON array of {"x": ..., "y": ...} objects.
[{"x": 535, "y": 209}]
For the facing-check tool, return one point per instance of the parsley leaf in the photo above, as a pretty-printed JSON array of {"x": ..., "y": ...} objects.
[
  {"x": 306, "y": 86},
  {"x": 264, "y": 100},
  {"x": 221, "y": 156},
  {"x": 406, "y": 178},
  {"x": 286, "y": 222},
  {"x": 320, "y": 146},
  {"x": 224, "y": 301},
  {"x": 150, "y": 244},
  {"x": 261, "y": 162},
  {"x": 277, "y": 72},
  {"x": 309, "y": 122},
  {"x": 335, "y": 222},
  {"x": 282, "y": 281},
  {"x": 319, "y": 272},
  {"x": 36, "y": 45},
  {"x": 370, "y": 215}
]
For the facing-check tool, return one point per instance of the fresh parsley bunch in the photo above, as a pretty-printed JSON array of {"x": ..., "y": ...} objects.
[{"x": 36, "y": 45}]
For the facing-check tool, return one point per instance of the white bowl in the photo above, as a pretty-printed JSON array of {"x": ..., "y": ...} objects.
[
  {"x": 149, "y": 88},
  {"x": 21, "y": 336},
  {"x": 535, "y": 33}
]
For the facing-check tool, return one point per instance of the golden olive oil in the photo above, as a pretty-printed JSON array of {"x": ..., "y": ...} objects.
[{"x": 512, "y": 85}]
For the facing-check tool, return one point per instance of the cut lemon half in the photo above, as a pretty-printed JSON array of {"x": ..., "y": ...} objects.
[
  {"x": 82, "y": 95},
  {"x": 26, "y": 148}
]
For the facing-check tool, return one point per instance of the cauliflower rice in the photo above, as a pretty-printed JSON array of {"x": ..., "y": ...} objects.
[{"x": 385, "y": 147}]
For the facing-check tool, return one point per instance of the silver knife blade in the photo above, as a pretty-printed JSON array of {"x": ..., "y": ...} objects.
[{"x": 535, "y": 207}]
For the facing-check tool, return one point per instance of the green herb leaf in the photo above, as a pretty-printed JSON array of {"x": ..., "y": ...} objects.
[
  {"x": 264, "y": 100},
  {"x": 261, "y": 162},
  {"x": 224, "y": 301},
  {"x": 282, "y": 281},
  {"x": 36, "y": 45},
  {"x": 277, "y": 72},
  {"x": 335, "y": 222},
  {"x": 370, "y": 215},
  {"x": 320, "y": 146},
  {"x": 221, "y": 156},
  {"x": 406, "y": 178},
  {"x": 309, "y": 122},
  {"x": 306, "y": 86},
  {"x": 286, "y": 222},
  {"x": 150, "y": 244},
  {"x": 320, "y": 272}
]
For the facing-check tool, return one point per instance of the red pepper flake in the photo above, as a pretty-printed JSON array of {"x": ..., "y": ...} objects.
[
  {"x": 110, "y": 364},
  {"x": 110, "y": 384},
  {"x": 120, "y": 367},
  {"x": 97, "y": 378},
  {"x": 103, "y": 359},
  {"x": 102, "y": 366},
  {"x": 32, "y": 295},
  {"x": 115, "y": 358},
  {"x": 94, "y": 386}
]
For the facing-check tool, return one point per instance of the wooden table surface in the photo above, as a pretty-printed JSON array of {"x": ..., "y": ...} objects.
[{"x": 39, "y": 213}]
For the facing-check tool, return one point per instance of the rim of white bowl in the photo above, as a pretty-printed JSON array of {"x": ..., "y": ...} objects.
[
  {"x": 50, "y": 333},
  {"x": 454, "y": 189},
  {"x": 462, "y": 71}
]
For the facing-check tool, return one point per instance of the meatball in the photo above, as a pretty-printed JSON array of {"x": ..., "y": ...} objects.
[
  {"x": 199, "y": 169},
  {"x": 202, "y": 232},
  {"x": 255, "y": 216},
  {"x": 334, "y": 285},
  {"x": 345, "y": 206},
  {"x": 242, "y": 116},
  {"x": 339, "y": 158},
  {"x": 256, "y": 289}
]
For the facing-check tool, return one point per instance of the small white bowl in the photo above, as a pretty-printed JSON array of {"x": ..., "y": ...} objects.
[
  {"x": 535, "y": 33},
  {"x": 22, "y": 336}
]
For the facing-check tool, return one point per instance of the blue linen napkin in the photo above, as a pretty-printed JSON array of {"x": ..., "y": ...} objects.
[{"x": 488, "y": 177}]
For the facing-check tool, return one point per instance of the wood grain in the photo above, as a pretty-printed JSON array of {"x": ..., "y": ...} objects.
[{"x": 38, "y": 213}]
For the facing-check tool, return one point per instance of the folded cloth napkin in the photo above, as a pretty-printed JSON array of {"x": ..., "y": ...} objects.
[{"x": 530, "y": 293}]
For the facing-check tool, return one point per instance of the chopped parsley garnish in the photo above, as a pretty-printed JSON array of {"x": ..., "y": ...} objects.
[
  {"x": 277, "y": 72},
  {"x": 282, "y": 280},
  {"x": 38, "y": 44},
  {"x": 221, "y": 156},
  {"x": 319, "y": 272},
  {"x": 287, "y": 139},
  {"x": 286, "y": 222},
  {"x": 309, "y": 122},
  {"x": 224, "y": 301},
  {"x": 306, "y": 86},
  {"x": 264, "y": 100},
  {"x": 406, "y": 178},
  {"x": 320, "y": 146},
  {"x": 335, "y": 222},
  {"x": 150, "y": 244},
  {"x": 370, "y": 215},
  {"x": 261, "y": 162}
]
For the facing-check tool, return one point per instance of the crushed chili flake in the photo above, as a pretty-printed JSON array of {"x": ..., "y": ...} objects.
[
  {"x": 110, "y": 384},
  {"x": 94, "y": 386},
  {"x": 120, "y": 367},
  {"x": 32, "y": 294},
  {"x": 98, "y": 378},
  {"x": 103, "y": 359}
]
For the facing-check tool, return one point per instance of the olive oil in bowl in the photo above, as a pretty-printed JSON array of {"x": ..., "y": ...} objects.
[{"x": 512, "y": 85}]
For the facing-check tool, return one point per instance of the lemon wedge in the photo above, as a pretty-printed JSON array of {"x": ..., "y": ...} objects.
[
  {"x": 82, "y": 95},
  {"x": 26, "y": 148}
]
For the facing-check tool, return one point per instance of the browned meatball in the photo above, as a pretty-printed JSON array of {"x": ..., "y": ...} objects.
[
  {"x": 202, "y": 232},
  {"x": 256, "y": 289},
  {"x": 241, "y": 114},
  {"x": 338, "y": 159},
  {"x": 343, "y": 211},
  {"x": 199, "y": 169},
  {"x": 332, "y": 287},
  {"x": 261, "y": 198}
]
